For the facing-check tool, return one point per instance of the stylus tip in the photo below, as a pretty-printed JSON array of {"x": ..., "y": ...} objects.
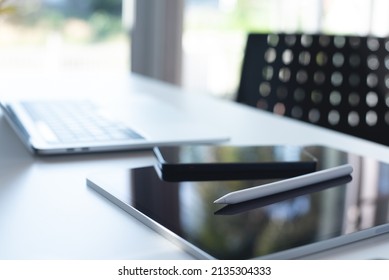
[{"x": 219, "y": 200}]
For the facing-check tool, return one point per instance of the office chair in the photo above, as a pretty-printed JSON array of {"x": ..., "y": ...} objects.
[{"x": 337, "y": 82}]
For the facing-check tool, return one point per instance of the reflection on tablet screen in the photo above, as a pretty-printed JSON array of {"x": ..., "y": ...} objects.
[{"x": 286, "y": 225}]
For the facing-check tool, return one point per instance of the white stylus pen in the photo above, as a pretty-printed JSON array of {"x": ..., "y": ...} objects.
[{"x": 285, "y": 185}]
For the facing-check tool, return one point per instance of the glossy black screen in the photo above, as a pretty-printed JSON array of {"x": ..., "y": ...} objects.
[{"x": 265, "y": 227}]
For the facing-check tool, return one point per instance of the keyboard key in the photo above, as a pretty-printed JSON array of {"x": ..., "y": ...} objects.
[
  {"x": 70, "y": 122},
  {"x": 46, "y": 132}
]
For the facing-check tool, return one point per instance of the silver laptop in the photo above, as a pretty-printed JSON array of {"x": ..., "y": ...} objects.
[{"x": 82, "y": 126}]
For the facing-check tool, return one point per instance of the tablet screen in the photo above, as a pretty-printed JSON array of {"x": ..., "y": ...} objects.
[{"x": 285, "y": 225}]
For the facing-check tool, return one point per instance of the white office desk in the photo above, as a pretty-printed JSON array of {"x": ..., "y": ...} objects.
[{"x": 48, "y": 212}]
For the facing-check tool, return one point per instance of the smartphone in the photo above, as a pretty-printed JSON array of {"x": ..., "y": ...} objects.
[{"x": 214, "y": 162}]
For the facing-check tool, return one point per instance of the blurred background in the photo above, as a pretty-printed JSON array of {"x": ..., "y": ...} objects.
[{"x": 53, "y": 36}]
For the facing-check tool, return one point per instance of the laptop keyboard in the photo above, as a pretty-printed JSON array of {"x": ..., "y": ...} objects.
[{"x": 75, "y": 122}]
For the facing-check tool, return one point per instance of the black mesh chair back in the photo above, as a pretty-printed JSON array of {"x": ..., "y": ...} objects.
[{"x": 337, "y": 82}]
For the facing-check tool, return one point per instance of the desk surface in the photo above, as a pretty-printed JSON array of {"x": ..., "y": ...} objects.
[{"x": 48, "y": 212}]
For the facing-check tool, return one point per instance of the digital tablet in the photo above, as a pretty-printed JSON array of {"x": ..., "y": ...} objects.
[
  {"x": 221, "y": 162},
  {"x": 281, "y": 226}
]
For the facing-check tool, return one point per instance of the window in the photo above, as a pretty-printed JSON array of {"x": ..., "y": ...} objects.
[
  {"x": 94, "y": 35},
  {"x": 215, "y": 32},
  {"x": 46, "y": 36}
]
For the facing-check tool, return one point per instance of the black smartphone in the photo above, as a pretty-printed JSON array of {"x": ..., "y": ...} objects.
[{"x": 214, "y": 162}]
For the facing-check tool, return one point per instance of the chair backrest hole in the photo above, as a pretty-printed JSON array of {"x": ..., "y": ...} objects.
[
  {"x": 333, "y": 117},
  {"x": 373, "y": 44},
  {"x": 339, "y": 41},
  {"x": 353, "y": 99},
  {"x": 338, "y": 59},
  {"x": 336, "y": 79},
  {"x": 353, "y": 118},
  {"x": 314, "y": 115},
  {"x": 371, "y": 118},
  {"x": 372, "y": 99},
  {"x": 304, "y": 58},
  {"x": 335, "y": 98}
]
